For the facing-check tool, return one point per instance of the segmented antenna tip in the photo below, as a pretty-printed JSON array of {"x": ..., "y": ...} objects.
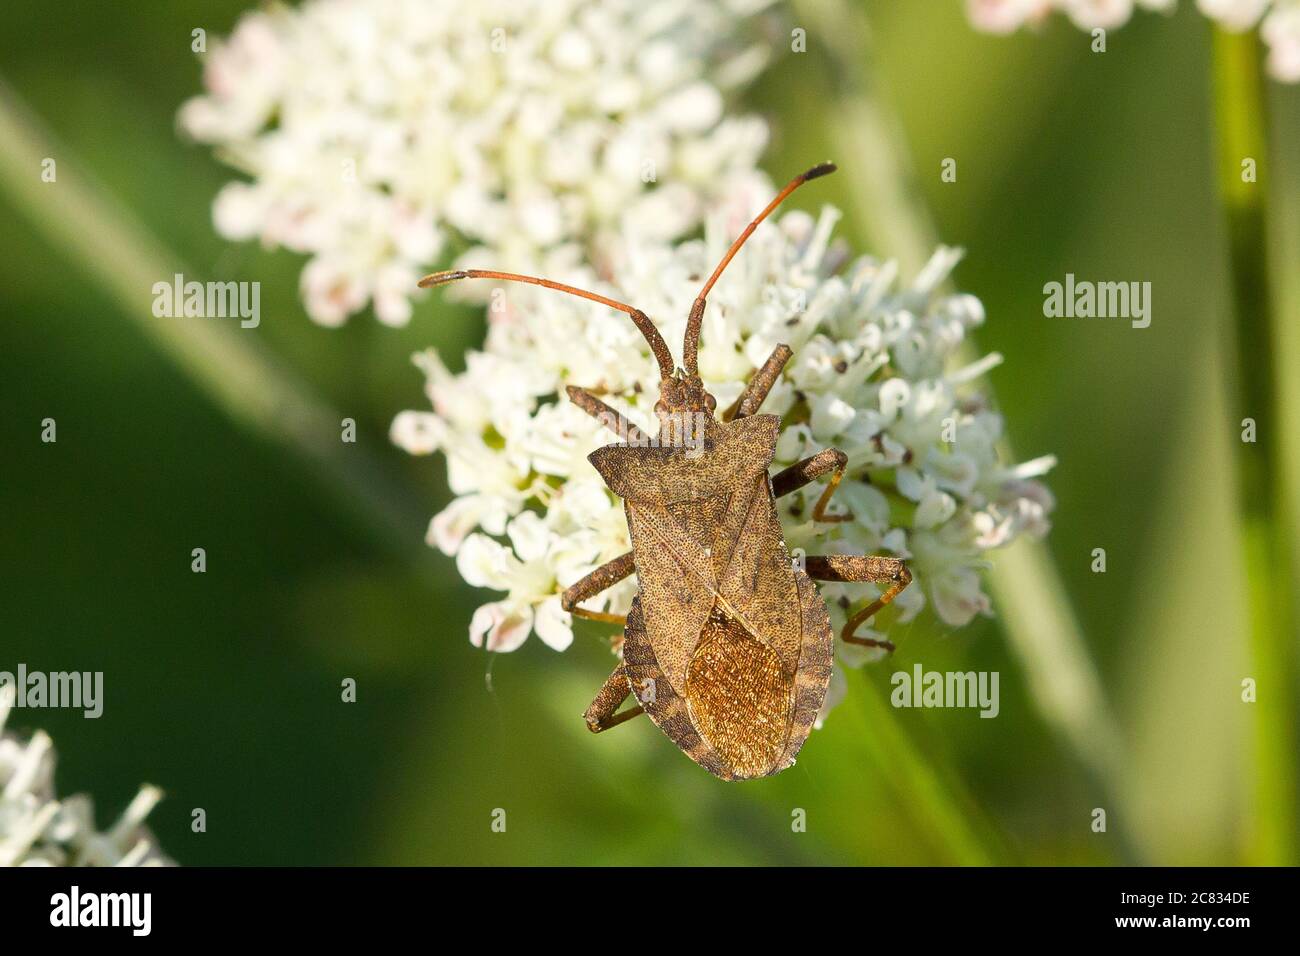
[
  {"x": 821, "y": 169},
  {"x": 441, "y": 278}
]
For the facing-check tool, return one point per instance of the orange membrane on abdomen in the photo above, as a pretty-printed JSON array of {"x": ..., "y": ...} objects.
[{"x": 739, "y": 697}]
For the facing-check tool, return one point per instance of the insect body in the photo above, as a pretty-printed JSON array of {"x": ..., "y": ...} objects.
[{"x": 727, "y": 646}]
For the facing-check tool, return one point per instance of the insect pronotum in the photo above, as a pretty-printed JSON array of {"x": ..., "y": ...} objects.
[{"x": 727, "y": 645}]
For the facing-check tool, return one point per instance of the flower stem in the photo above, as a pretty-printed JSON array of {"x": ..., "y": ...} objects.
[
  {"x": 241, "y": 378},
  {"x": 942, "y": 804},
  {"x": 1241, "y": 120}
]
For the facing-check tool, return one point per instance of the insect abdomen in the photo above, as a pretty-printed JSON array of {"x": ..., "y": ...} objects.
[{"x": 739, "y": 697}]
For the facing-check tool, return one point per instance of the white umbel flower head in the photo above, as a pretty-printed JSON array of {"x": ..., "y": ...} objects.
[
  {"x": 874, "y": 373},
  {"x": 380, "y": 135},
  {"x": 1278, "y": 20},
  {"x": 39, "y": 829}
]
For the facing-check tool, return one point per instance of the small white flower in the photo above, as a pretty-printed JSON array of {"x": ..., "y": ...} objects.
[
  {"x": 874, "y": 373},
  {"x": 1235, "y": 15},
  {"x": 39, "y": 829},
  {"x": 1278, "y": 20},
  {"x": 378, "y": 134},
  {"x": 1281, "y": 32},
  {"x": 1005, "y": 16},
  {"x": 501, "y": 625},
  {"x": 1092, "y": 14}
]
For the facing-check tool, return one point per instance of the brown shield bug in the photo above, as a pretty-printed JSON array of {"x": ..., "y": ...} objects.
[{"x": 727, "y": 645}]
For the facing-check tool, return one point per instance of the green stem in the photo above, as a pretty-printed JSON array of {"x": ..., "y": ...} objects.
[
  {"x": 1241, "y": 120},
  {"x": 940, "y": 802},
  {"x": 115, "y": 250}
]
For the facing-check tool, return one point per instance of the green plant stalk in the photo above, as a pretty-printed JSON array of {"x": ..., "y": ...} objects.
[
  {"x": 240, "y": 377},
  {"x": 943, "y": 806},
  {"x": 1242, "y": 127}
]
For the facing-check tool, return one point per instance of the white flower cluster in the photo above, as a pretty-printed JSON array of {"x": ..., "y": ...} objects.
[
  {"x": 38, "y": 829},
  {"x": 1278, "y": 20},
  {"x": 874, "y": 374},
  {"x": 379, "y": 135}
]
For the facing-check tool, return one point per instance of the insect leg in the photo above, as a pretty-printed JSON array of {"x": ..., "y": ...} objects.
[
  {"x": 877, "y": 570},
  {"x": 764, "y": 378},
  {"x": 810, "y": 469},
  {"x": 603, "y": 712},
  {"x": 612, "y": 419},
  {"x": 605, "y": 576}
]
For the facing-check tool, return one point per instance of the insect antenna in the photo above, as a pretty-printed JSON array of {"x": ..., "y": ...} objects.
[
  {"x": 691, "y": 345},
  {"x": 656, "y": 341}
]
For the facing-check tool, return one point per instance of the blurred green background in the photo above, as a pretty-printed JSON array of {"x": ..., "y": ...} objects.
[{"x": 223, "y": 688}]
